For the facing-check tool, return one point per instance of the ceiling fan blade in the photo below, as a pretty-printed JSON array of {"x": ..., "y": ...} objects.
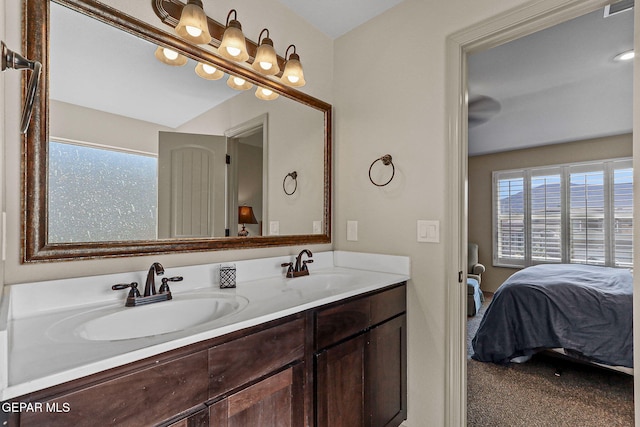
[{"x": 482, "y": 109}]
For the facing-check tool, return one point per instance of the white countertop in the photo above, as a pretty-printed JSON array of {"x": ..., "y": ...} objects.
[{"x": 35, "y": 360}]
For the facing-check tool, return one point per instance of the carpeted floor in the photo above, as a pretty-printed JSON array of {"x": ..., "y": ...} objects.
[{"x": 531, "y": 394}]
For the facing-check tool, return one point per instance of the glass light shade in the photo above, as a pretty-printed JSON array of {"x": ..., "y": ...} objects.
[
  {"x": 169, "y": 56},
  {"x": 238, "y": 83},
  {"x": 265, "y": 94},
  {"x": 266, "y": 61},
  {"x": 193, "y": 23},
  {"x": 233, "y": 45},
  {"x": 293, "y": 74},
  {"x": 625, "y": 56},
  {"x": 208, "y": 72}
]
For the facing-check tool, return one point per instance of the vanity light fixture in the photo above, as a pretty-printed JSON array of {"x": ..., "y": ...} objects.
[
  {"x": 229, "y": 42},
  {"x": 233, "y": 45},
  {"x": 266, "y": 61},
  {"x": 238, "y": 83},
  {"x": 208, "y": 72},
  {"x": 624, "y": 56},
  {"x": 170, "y": 57},
  {"x": 193, "y": 24},
  {"x": 265, "y": 94},
  {"x": 292, "y": 74}
]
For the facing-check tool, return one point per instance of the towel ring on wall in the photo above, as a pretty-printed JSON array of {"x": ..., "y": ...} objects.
[
  {"x": 386, "y": 160},
  {"x": 12, "y": 60},
  {"x": 294, "y": 177}
]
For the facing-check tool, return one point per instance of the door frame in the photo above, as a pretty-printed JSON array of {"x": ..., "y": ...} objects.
[
  {"x": 510, "y": 25},
  {"x": 250, "y": 126}
]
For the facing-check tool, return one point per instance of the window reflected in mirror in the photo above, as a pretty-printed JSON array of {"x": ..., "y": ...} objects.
[{"x": 99, "y": 194}]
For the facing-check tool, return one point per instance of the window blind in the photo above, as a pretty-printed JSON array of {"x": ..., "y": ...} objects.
[{"x": 579, "y": 213}]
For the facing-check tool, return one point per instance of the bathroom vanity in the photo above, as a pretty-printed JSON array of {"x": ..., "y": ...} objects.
[{"x": 328, "y": 349}]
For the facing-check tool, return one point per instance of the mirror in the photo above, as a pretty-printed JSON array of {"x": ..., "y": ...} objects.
[{"x": 108, "y": 173}]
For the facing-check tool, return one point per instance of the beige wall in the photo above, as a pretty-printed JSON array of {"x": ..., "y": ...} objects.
[
  {"x": 389, "y": 90},
  {"x": 480, "y": 186}
]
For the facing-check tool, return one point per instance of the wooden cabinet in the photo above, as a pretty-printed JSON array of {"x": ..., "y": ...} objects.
[
  {"x": 146, "y": 396},
  {"x": 343, "y": 364},
  {"x": 199, "y": 419},
  {"x": 273, "y": 401},
  {"x": 340, "y": 387},
  {"x": 361, "y": 362},
  {"x": 386, "y": 372}
]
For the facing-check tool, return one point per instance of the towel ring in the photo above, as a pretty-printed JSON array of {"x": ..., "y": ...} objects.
[
  {"x": 386, "y": 160},
  {"x": 294, "y": 176}
]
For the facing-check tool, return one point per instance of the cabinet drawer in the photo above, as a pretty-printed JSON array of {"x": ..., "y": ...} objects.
[
  {"x": 387, "y": 304},
  {"x": 142, "y": 398},
  {"x": 339, "y": 322},
  {"x": 241, "y": 361}
]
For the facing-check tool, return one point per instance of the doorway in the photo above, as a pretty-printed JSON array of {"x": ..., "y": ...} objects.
[
  {"x": 485, "y": 35},
  {"x": 247, "y": 175}
]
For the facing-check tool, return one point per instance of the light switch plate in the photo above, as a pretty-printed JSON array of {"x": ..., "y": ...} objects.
[
  {"x": 352, "y": 231},
  {"x": 317, "y": 227},
  {"x": 274, "y": 228},
  {"x": 428, "y": 231}
]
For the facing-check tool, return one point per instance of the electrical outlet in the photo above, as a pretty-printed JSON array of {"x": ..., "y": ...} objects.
[
  {"x": 352, "y": 231},
  {"x": 274, "y": 228}
]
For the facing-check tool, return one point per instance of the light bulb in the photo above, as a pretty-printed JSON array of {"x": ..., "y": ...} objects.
[
  {"x": 266, "y": 65},
  {"x": 625, "y": 56},
  {"x": 293, "y": 79},
  {"x": 238, "y": 81},
  {"x": 195, "y": 32},
  {"x": 169, "y": 54},
  {"x": 233, "y": 51},
  {"x": 267, "y": 92},
  {"x": 208, "y": 69}
]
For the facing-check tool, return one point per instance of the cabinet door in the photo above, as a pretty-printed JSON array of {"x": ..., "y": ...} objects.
[
  {"x": 276, "y": 401},
  {"x": 145, "y": 397},
  {"x": 340, "y": 388},
  {"x": 199, "y": 419},
  {"x": 386, "y": 374}
]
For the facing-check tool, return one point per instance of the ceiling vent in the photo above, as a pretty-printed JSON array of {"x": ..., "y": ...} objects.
[{"x": 618, "y": 7}]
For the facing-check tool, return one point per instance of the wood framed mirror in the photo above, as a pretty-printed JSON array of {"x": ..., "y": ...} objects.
[{"x": 304, "y": 218}]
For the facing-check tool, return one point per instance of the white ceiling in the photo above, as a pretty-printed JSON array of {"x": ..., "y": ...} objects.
[
  {"x": 558, "y": 85},
  {"x": 337, "y": 17}
]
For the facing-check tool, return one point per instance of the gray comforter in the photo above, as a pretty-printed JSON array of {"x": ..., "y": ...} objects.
[{"x": 584, "y": 309}]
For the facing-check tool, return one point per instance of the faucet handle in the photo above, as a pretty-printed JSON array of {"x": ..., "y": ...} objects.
[
  {"x": 304, "y": 264},
  {"x": 164, "y": 288},
  {"x": 133, "y": 293},
  {"x": 288, "y": 264}
]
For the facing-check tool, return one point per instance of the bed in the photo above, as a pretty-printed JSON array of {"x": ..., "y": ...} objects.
[{"x": 581, "y": 310}]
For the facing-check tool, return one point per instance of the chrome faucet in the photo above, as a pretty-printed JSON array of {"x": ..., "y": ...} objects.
[
  {"x": 300, "y": 268},
  {"x": 150, "y": 284}
]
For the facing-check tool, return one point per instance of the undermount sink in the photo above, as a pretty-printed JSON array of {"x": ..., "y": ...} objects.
[
  {"x": 123, "y": 323},
  {"x": 320, "y": 281}
]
